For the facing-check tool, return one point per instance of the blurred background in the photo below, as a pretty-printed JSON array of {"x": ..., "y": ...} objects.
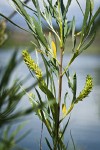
[{"x": 85, "y": 118}]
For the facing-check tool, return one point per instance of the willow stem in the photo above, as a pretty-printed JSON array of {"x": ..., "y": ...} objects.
[
  {"x": 60, "y": 75},
  {"x": 59, "y": 90}
]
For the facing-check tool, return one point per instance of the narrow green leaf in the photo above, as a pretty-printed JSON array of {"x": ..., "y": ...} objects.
[
  {"x": 15, "y": 132},
  {"x": 6, "y": 132},
  {"x": 53, "y": 84},
  {"x": 46, "y": 68},
  {"x": 35, "y": 12},
  {"x": 14, "y": 23},
  {"x": 86, "y": 15},
  {"x": 55, "y": 12},
  {"x": 62, "y": 7},
  {"x": 89, "y": 43},
  {"x": 38, "y": 12},
  {"x": 69, "y": 80},
  {"x": 39, "y": 33},
  {"x": 21, "y": 9},
  {"x": 65, "y": 96},
  {"x": 94, "y": 17},
  {"x": 48, "y": 143},
  {"x": 80, "y": 7},
  {"x": 51, "y": 98},
  {"x": 64, "y": 129},
  {"x": 74, "y": 87},
  {"x": 73, "y": 33},
  {"x": 39, "y": 96},
  {"x": 66, "y": 8},
  {"x": 9, "y": 69},
  {"x": 92, "y": 5},
  {"x": 70, "y": 27},
  {"x": 34, "y": 2},
  {"x": 72, "y": 140},
  {"x": 65, "y": 28},
  {"x": 23, "y": 136}
]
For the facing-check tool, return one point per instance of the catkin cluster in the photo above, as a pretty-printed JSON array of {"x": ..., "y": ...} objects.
[
  {"x": 87, "y": 89},
  {"x": 31, "y": 64}
]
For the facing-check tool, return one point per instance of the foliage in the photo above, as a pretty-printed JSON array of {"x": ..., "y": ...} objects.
[
  {"x": 8, "y": 140},
  {"x": 47, "y": 48},
  {"x": 10, "y": 96}
]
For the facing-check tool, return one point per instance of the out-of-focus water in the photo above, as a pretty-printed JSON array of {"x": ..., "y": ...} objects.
[{"x": 85, "y": 117}]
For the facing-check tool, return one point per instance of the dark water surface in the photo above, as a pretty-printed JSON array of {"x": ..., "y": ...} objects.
[{"x": 85, "y": 117}]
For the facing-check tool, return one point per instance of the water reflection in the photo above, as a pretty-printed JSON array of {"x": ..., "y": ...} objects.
[{"x": 85, "y": 118}]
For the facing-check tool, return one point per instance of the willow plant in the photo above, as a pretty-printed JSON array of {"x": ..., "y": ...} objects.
[{"x": 47, "y": 48}]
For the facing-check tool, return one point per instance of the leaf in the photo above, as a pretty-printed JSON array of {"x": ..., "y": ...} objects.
[
  {"x": 73, "y": 33},
  {"x": 9, "y": 138},
  {"x": 21, "y": 9},
  {"x": 89, "y": 43},
  {"x": 38, "y": 12},
  {"x": 55, "y": 12},
  {"x": 51, "y": 98},
  {"x": 9, "y": 70},
  {"x": 69, "y": 79},
  {"x": 39, "y": 96},
  {"x": 14, "y": 23},
  {"x": 65, "y": 96},
  {"x": 92, "y": 5},
  {"x": 31, "y": 97},
  {"x": 65, "y": 28},
  {"x": 34, "y": 2},
  {"x": 23, "y": 136},
  {"x": 40, "y": 33},
  {"x": 46, "y": 68},
  {"x": 66, "y": 125},
  {"x": 18, "y": 129},
  {"x": 64, "y": 109},
  {"x": 70, "y": 27},
  {"x": 6, "y": 132},
  {"x": 72, "y": 140},
  {"x": 54, "y": 49},
  {"x": 62, "y": 7},
  {"x": 80, "y": 7},
  {"x": 29, "y": 8},
  {"x": 86, "y": 15},
  {"x": 48, "y": 143},
  {"x": 95, "y": 16},
  {"x": 74, "y": 86},
  {"x": 43, "y": 112},
  {"x": 66, "y": 8},
  {"x": 53, "y": 85}
]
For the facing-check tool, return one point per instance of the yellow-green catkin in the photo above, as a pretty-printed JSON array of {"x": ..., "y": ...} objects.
[
  {"x": 87, "y": 89},
  {"x": 31, "y": 64}
]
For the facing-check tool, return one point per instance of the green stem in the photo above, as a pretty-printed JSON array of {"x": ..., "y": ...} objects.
[{"x": 60, "y": 75}]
